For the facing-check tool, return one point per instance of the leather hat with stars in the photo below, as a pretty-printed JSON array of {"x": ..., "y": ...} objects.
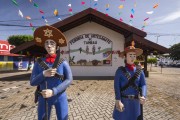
[
  {"x": 44, "y": 33},
  {"x": 131, "y": 48}
]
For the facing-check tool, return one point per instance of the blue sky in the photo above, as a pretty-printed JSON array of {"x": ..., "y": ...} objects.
[{"x": 162, "y": 24}]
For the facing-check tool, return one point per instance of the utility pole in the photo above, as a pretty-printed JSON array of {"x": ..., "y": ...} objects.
[{"x": 157, "y": 38}]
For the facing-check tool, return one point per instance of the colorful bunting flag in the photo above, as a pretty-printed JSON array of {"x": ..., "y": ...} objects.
[
  {"x": 145, "y": 23},
  {"x": 150, "y": 12},
  {"x": 82, "y": 2},
  {"x": 95, "y": 8},
  {"x": 146, "y": 19},
  {"x": 121, "y": 7},
  {"x": 41, "y": 11},
  {"x": 30, "y": 24},
  {"x": 69, "y": 5},
  {"x": 107, "y": 5},
  {"x": 36, "y": 5},
  {"x": 107, "y": 9},
  {"x": 70, "y": 9},
  {"x": 132, "y": 10},
  {"x": 28, "y": 18},
  {"x": 135, "y": 4},
  {"x": 45, "y": 20},
  {"x": 131, "y": 16},
  {"x": 33, "y": 29},
  {"x": 56, "y": 12},
  {"x": 121, "y": 19},
  {"x": 14, "y": 1},
  {"x": 155, "y": 6},
  {"x": 20, "y": 13},
  {"x": 59, "y": 18}
]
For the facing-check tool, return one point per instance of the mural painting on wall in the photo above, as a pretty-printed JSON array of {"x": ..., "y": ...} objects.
[{"x": 90, "y": 50}]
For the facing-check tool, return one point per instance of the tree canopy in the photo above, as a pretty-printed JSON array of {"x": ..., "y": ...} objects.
[
  {"x": 152, "y": 60},
  {"x": 17, "y": 40},
  {"x": 175, "y": 52}
]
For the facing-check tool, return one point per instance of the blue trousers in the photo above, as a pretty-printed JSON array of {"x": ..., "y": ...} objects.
[{"x": 61, "y": 105}]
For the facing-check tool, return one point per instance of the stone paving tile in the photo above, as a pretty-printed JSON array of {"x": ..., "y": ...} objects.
[{"x": 94, "y": 99}]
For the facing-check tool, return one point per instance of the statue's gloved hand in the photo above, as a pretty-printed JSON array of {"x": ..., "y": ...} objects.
[
  {"x": 49, "y": 72},
  {"x": 119, "y": 106},
  {"x": 47, "y": 93},
  {"x": 142, "y": 99}
]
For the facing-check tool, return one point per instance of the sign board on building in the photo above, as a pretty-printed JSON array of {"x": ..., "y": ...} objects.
[
  {"x": 90, "y": 50},
  {"x": 5, "y": 47}
]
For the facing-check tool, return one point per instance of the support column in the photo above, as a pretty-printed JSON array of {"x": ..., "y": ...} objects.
[{"x": 145, "y": 63}]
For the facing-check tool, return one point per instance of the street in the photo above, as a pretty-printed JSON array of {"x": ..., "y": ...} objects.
[{"x": 93, "y": 99}]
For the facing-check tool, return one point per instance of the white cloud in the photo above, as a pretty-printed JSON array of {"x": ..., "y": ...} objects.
[{"x": 167, "y": 18}]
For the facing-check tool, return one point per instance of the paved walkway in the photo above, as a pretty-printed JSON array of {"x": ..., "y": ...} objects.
[{"x": 94, "y": 99}]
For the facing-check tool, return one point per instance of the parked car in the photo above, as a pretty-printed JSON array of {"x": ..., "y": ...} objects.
[{"x": 177, "y": 64}]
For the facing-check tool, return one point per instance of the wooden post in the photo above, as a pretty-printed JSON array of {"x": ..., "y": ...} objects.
[{"x": 145, "y": 63}]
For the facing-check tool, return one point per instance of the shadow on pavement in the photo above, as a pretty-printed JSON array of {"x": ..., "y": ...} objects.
[{"x": 22, "y": 77}]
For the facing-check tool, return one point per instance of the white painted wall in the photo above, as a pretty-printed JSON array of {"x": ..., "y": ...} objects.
[{"x": 118, "y": 44}]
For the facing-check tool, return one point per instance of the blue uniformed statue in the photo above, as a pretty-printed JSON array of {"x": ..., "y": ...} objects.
[
  {"x": 51, "y": 74},
  {"x": 130, "y": 87}
]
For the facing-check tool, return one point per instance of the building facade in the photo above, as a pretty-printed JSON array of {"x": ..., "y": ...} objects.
[
  {"x": 94, "y": 41},
  {"x": 10, "y": 61},
  {"x": 86, "y": 37}
]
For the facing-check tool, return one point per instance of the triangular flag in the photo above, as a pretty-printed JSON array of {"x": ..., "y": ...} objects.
[
  {"x": 145, "y": 23},
  {"x": 146, "y": 19},
  {"x": 56, "y": 12},
  {"x": 95, "y": 4},
  {"x": 71, "y": 13},
  {"x": 107, "y": 5},
  {"x": 41, "y": 11},
  {"x": 120, "y": 13},
  {"x": 43, "y": 17},
  {"x": 121, "y": 19},
  {"x": 14, "y": 1},
  {"x": 155, "y": 6},
  {"x": 131, "y": 16},
  {"x": 20, "y": 13},
  {"x": 31, "y": 25},
  {"x": 45, "y": 20},
  {"x": 69, "y": 5},
  {"x": 82, "y": 2},
  {"x": 121, "y": 7},
  {"x": 33, "y": 29},
  {"x": 150, "y": 12},
  {"x": 59, "y": 18},
  {"x": 95, "y": 8},
  {"x": 107, "y": 9},
  {"x": 28, "y": 18},
  {"x": 70, "y": 9},
  {"x": 132, "y": 10},
  {"x": 36, "y": 5}
]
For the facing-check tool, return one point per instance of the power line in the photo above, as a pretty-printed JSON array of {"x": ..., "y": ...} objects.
[
  {"x": 164, "y": 34},
  {"x": 18, "y": 20}
]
